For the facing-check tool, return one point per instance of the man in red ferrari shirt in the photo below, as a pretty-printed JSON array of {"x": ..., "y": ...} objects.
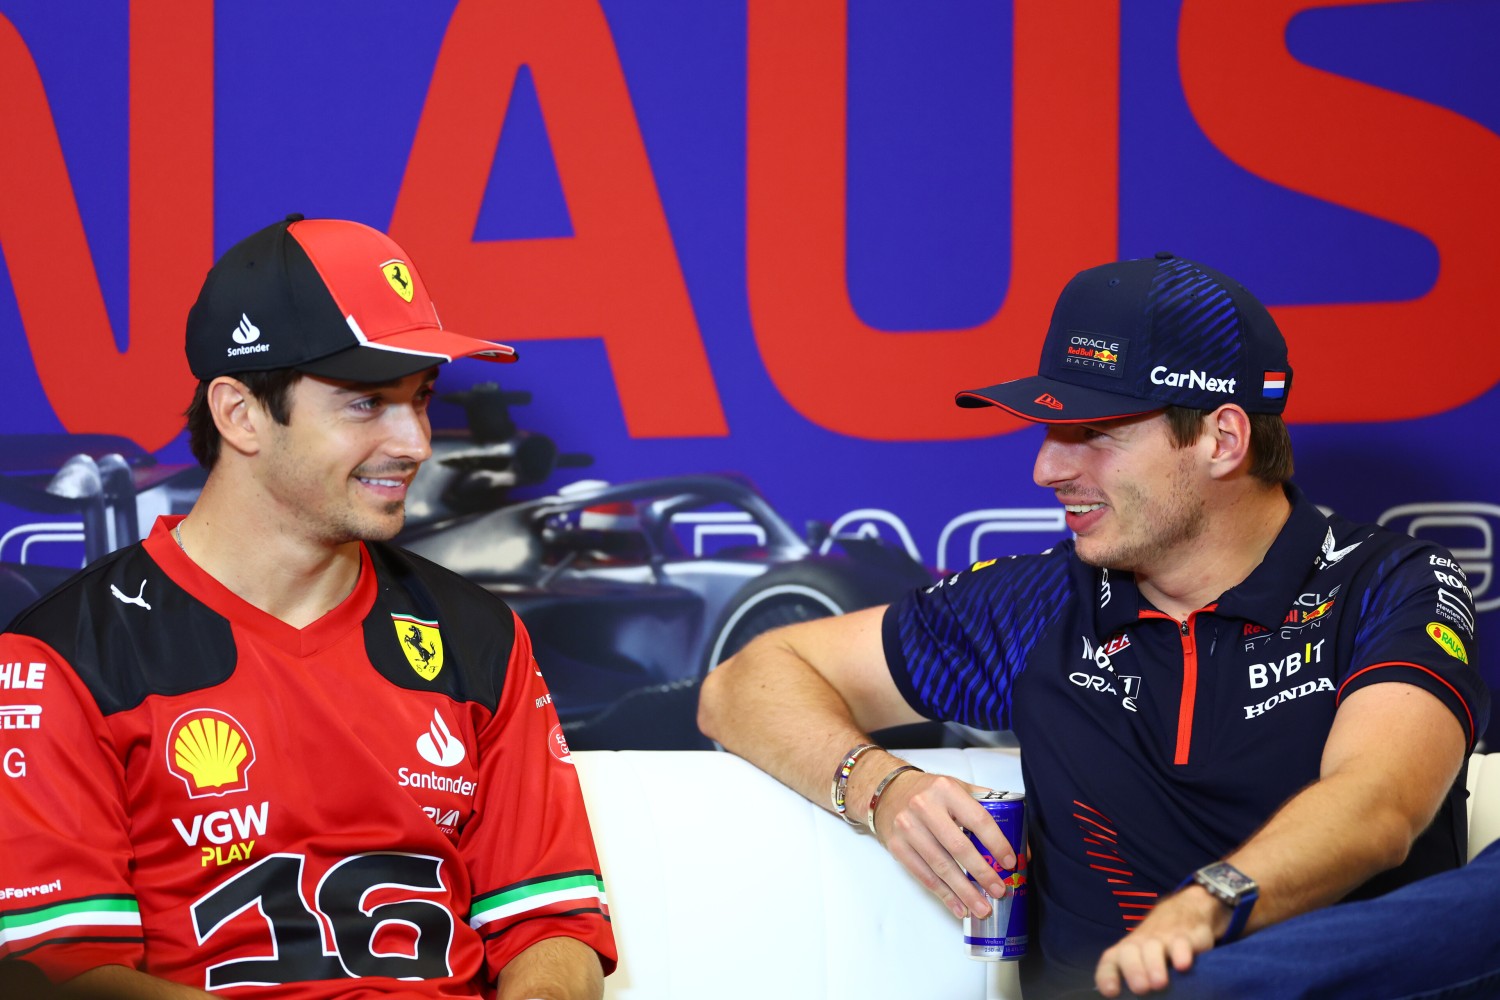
[{"x": 265, "y": 754}]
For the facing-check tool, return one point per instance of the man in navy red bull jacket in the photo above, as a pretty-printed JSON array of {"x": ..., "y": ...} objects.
[{"x": 1232, "y": 708}]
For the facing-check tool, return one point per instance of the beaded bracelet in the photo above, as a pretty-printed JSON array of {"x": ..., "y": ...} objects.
[
  {"x": 841, "y": 780},
  {"x": 880, "y": 790}
]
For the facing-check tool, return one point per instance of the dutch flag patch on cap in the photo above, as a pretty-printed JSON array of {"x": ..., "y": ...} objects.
[{"x": 1274, "y": 387}]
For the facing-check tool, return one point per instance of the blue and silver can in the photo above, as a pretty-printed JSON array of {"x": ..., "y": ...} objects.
[{"x": 1001, "y": 936}]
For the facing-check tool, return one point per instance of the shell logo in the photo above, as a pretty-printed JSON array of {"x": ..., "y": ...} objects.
[{"x": 210, "y": 752}]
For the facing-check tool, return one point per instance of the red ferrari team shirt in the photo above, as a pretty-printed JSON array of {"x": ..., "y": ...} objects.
[{"x": 381, "y": 802}]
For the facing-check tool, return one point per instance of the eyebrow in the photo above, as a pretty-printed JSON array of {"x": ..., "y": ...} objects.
[{"x": 358, "y": 387}]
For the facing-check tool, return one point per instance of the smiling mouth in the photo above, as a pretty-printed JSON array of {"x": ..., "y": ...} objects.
[
  {"x": 1081, "y": 508},
  {"x": 389, "y": 483}
]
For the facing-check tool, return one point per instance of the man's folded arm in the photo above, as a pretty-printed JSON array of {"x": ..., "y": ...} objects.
[
  {"x": 1391, "y": 757},
  {"x": 794, "y": 701}
]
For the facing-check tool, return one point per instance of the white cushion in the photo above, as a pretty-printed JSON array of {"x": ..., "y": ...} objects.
[
  {"x": 1484, "y": 801},
  {"x": 725, "y": 884}
]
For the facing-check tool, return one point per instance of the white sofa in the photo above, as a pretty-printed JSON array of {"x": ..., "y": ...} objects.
[{"x": 723, "y": 883}]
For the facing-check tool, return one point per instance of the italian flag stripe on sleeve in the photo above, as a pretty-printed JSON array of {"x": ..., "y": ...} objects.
[
  {"x": 72, "y": 917},
  {"x": 534, "y": 895}
]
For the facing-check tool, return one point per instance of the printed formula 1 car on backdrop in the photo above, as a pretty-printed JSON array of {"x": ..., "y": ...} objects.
[
  {"x": 631, "y": 591},
  {"x": 78, "y": 497}
]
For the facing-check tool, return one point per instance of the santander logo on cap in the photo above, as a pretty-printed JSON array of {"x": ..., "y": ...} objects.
[
  {"x": 247, "y": 335},
  {"x": 247, "y": 332}
]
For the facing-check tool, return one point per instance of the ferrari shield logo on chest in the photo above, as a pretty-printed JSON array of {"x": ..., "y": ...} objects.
[
  {"x": 399, "y": 275},
  {"x": 422, "y": 643}
]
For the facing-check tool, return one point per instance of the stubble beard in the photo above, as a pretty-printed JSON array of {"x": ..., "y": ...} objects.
[
  {"x": 355, "y": 527},
  {"x": 382, "y": 526},
  {"x": 294, "y": 480},
  {"x": 1178, "y": 517}
]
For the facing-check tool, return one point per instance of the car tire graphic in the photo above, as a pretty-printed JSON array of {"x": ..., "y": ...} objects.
[{"x": 784, "y": 596}]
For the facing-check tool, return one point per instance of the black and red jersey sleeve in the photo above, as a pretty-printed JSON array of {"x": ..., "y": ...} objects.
[
  {"x": 66, "y": 899},
  {"x": 528, "y": 846}
]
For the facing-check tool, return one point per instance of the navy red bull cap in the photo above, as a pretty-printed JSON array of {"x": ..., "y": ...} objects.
[
  {"x": 1137, "y": 336},
  {"x": 324, "y": 296}
]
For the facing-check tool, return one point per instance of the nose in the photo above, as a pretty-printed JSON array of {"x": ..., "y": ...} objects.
[
  {"x": 410, "y": 433},
  {"x": 1054, "y": 461}
]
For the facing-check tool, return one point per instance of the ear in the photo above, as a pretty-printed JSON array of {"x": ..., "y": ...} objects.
[
  {"x": 237, "y": 414},
  {"x": 1227, "y": 432}
]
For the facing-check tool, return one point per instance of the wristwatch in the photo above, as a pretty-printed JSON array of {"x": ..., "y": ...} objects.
[{"x": 1234, "y": 889}]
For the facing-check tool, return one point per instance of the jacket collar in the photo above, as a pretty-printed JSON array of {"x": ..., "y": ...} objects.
[{"x": 1263, "y": 597}]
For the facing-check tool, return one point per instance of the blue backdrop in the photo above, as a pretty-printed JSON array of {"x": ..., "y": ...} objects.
[{"x": 775, "y": 237}]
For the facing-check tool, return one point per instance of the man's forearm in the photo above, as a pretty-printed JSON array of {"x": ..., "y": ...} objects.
[
  {"x": 558, "y": 968},
  {"x": 1387, "y": 769},
  {"x": 1391, "y": 757},
  {"x": 770, "y": 706},
  {"x": 767, "y": 708},
  {"x": 790, "y": 723},
  {"x": 1326, "y": 841}
]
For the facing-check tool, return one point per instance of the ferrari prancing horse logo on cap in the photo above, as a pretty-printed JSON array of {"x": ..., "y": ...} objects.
[{"x": 399, "y": 276}]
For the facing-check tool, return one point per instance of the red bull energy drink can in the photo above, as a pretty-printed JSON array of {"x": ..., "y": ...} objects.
[{"x": 1001, "y": 936}]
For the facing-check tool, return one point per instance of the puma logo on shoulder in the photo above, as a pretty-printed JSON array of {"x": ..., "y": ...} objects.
[{"x": 139, "y": 598}]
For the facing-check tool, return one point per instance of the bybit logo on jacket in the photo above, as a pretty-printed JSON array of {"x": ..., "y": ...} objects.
[
  {"x": 422, "y": 644},
  {"x": 210, "y": 752}
]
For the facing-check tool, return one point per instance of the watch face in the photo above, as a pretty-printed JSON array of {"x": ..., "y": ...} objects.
[{"x": 1225, "y": 880}]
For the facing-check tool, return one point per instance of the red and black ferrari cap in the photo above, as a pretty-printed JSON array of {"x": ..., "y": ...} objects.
[{"x": 327, "y": 297}]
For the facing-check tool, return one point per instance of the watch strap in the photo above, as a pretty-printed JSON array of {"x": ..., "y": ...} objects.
[
  {"x": 1239, "y": 916},
  {"x": 1239, "y": 907}
]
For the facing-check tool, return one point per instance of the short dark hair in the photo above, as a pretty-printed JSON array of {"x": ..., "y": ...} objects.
[
  {"x": 1270, "y": 444},
  {"x": 272, "y": 388}
]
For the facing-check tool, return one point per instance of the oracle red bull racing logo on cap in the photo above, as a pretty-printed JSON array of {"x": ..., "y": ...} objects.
[
  {"x": 1100, "y": 355},
  {"x": 210, "y": 752}
]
